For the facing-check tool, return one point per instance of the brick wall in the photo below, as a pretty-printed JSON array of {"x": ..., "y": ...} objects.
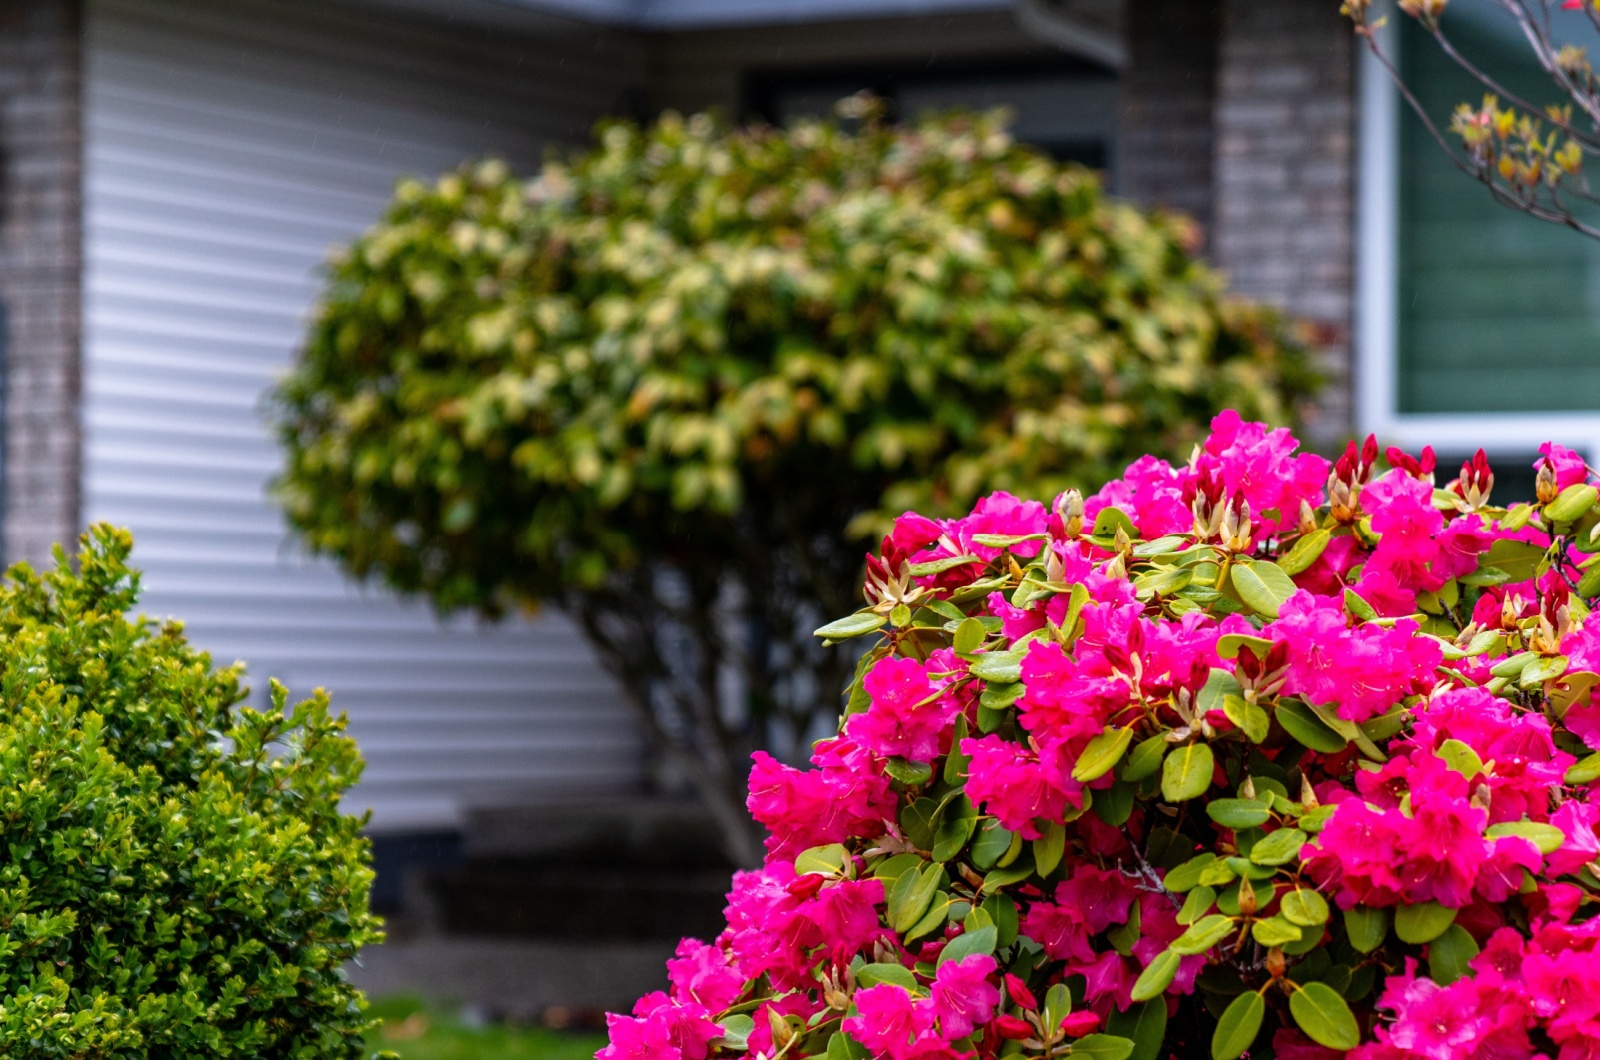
[
  {"x": 1165, "y": 145},
  {"x": 1284, "y": 207},
  {"x": 40, "y": 265}
]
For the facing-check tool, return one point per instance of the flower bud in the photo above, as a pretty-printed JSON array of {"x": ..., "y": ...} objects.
[
  {"x": 1013, "y": 1028},
  {"x": 1079, "y": 1023},
  {"x": 1019, "y": 993},
  {"x": 1545, "y": 485}
]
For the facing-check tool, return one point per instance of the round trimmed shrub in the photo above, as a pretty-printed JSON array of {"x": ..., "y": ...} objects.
[{"x": 176, "y": 877}]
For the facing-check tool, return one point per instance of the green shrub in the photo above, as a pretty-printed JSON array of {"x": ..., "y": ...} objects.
[
  {"x": 176, "y": 877},
  {"x": 664, "y": 379}
]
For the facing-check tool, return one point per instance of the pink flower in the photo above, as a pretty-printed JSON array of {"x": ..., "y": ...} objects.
[
  {"x": 1361, "y": 671},
  {"x": 660, "y": 1030},
  {"x": 846, "y": 795},
  {"x": 1001, "y": 514},
  {"x": 1019, "y": 785},
  {"x": 909, "y": 714},
  {"x": 888, "y": 1021},
  {"x": 962, "y": 997},
  {"x": 1260, "y": 463},
  {"x": 1569, "y": 466},
  {"x": 703, "y": 974}
]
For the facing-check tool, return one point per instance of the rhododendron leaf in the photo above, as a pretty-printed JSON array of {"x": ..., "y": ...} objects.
[
  {"x": 1488, "y": 642},
  {"x": 1002, "y": 666},
  {"x": 1324, "y": 1016},
  {"x": 1299, "y": 721},
  {"x": 1513, "y": 666},
  {"x": 1422, "y": 922},
  {"x": 1589, "y": 584},
  {"x": 1275, "y": 931},
  {"x": 1005, "y": 540},
  {"x": 1461, "y": 758},
  {"x": 1263, "y": 585},
  {"x": 1584, "y": 771},
  {"x": 1250, "y": 719},
  {"x": 896, "y": 974},
  {"x": 1545, "y": 668},
  {"x": 1013, "y": 850},
  {"x": 939, "y": 566},
  {"x": 1145, "y": 1025},
  {"x": 979, "y": 590},
  {"x": 1304, "y": 907},
  {"x": 1228, "y": 901},
  {"x": 1249, "y": 869},
  {"x": 1218, "y": 874},
  {"x": 1349, "y": 730},
  {"x": 920, "y": 820},
  {"x": 955, "y": 828},
  {"x": 890, "y": 869},
  {"x": 1202, "y": 935},
  {"x": 992, "y": 841},
  {"x": 911, "y": 774},
  {"x": 1110, "y": 520},
  {"x": 1229, "y": 645},
  {"x": 1449, "y": 954},
  {"x": 1305, "y": 551},
  {"x": 1157, "y": 976},
  {"x": 1197, "y": 904},
  {"x": 1186, "y": 774},
  {"x": 1238, "y": 813},
  {"x": 1571, "y": 503},
  {"x": 1386, "y": 725},
  {"x": 1547, "y": 837},
  {"x": 1145, "y": 759},
  {"x": 1358, "y": 607},
  {"x": 1519, "y": 559},
  {"x": 1077, "y": 599},
  {"x": 1313, "y": 819},
  {"x": 1102, "y": 1047},
  {"x": 976, "y": 917},
  {"x": 912, "y": 894},
  {"x": 842, "y": 1047},
  {"x": 828, "y": 860},
  {"x": 1047, "y": 849},
  {"x": 1114, "y": 805},
  {"x": 1003, "y": 911},
  {"x": 1169, "y": 545},
  {"x": 1485, "y": 576},
  {"x": 1102, "y": 754},
  {"x": 1219, "y": 684},
  {"x": 736, "y": 1031},
  {"x": 1367, "y": 927},
  {"x": 1057, "y": 1005},
  {"x": 1162, "y": 582},
  {"x": 1187, "y": 875},
  {"x": 1238, "y": 1026},
  {"x": 851, "y": 626},
  {"x": 999, "y": 878},
  {"x": 969, "y": 636},
  {"x": 979, "y": 940},
  {"x": 934, "y": 919},
  {"x": 1571, "y": 688}
]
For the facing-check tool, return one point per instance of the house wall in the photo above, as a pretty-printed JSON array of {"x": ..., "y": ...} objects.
[
  {"x": 228, "y": 145},
  {"x": 40, "y": 210},
  {"x": 1284, "y": 208}
]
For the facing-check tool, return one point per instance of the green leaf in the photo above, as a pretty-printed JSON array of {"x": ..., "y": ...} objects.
[
  {"x": 842, "y": 1047},
  {"x": 1250, "y": 718},
  {"x": 1449, "y": 953},
  {"x": 1544, "y": 668},
  {"x": 1547, "y": 837},
  {"x": 1003, "y": 911},
  {"x": 828, "y": 860},
  {"x": 1238, "y": 1026},
  {"x": 1114, "y": 805},
  {"x": 1002, "y": 666},
  {"x": 1110, "y": 520},
  {"x": 1005, "y": 540},
  {"x": 1196, "y": 904},
  {"x": 999, "y": 878},
  {"x": 939, "y": 566},
  {"x": 1585, "y": 770},
  {"x": 1047, "y": 849},
  {"x": 1263, "y": 586},
  {"x": 1186, "y": 774},
  {"x": 1057, "y": 1005},
  {"x": 955, "y": 828},
  {"x": 993, "y": 840},
  {"x": 1157, "y": 976},
  {"x": 911, "y": 896},
  {"x": 1461, "y": 758},
  {"x": 1275, "y": 931},
  {"x": 855, "y": 625},
  {"x": 1202, "y": 935},
  {"x": 1304, "y": 907},
  {"x": 1518, "y": 559},
  {"x": 873, "y": 974},
  {"x": 911, "y": 774},
  {"x": 1145, "y": 759},
  {"x": 1423, "y": 922},
  {"x": 956, "y": 763},
  {"x": 1324, "y": 1016},
  {"x": 1102, "y": 1047},
  {"x": 1238, "y": 813},
  {"x": 736, "y": 1031},
  {"x": 1279, "y": 848},
  {"x": 969, "y": 636},
  {"x": 1359, "y": 607},
  {"x": 1145, "y": 1025},
  {"x": 1102, "y": 754},
  {"x": 1299, "y": 721},
  {"x": 1572, "y": 503},
  {"x": 1305, "y": 551},
  {"x": 1367, "y": 927},
  {"x": 982, "y": 940},
  {"x": 1186, "y": 876}
]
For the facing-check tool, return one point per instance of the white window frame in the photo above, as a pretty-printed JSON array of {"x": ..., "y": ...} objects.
[{"x": 1377, "y": 324}]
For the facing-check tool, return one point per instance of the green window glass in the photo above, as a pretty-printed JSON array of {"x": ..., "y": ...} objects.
[{"x": 1498, "y": 312}]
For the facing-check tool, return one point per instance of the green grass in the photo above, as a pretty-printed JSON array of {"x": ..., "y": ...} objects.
[{"x": 418, "y": 1033}]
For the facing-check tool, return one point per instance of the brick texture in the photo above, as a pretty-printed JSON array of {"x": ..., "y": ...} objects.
[
  {"x": 40, "y": 270},
  {"x": 1284, "y": 170},
  {"x": 1165, "y": 143}
]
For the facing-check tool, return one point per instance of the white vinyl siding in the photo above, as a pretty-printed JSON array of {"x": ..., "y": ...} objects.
[{"x": 228, "y": 147}]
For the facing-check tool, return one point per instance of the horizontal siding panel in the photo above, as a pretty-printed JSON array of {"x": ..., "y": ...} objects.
[{"x": 228, "y": 146}]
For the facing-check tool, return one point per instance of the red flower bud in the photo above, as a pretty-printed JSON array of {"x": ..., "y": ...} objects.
[
  {"x": 1079, "y": 1023},
  {"x": 1013, "y": 1028},
  {"x": 804, "y": 887},
  {"x": 1019, "y": 993}
]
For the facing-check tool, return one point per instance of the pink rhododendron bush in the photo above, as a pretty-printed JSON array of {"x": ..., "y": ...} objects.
[{"x": 1260, "y": 755}]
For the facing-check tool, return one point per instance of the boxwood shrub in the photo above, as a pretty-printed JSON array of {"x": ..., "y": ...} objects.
[{"x": 176, "y": 877}]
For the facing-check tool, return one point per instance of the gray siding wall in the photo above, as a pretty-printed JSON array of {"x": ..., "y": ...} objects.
[{"x": 228, "y": 145}]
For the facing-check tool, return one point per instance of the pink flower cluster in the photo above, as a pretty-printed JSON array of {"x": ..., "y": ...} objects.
[{"x": 1111, "y": 761}]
